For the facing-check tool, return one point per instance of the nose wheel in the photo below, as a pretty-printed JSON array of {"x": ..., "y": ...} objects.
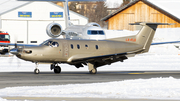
[{"x": 36, "y": 71}]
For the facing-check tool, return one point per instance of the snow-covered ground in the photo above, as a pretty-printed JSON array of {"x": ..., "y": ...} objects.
[
  {"x": 113, "y": 3},
  {"x": 155, "y": 88},
  {"x": 162, "y": 57}
]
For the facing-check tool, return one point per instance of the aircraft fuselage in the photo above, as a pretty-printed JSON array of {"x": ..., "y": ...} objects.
[{"x": 68, "y": 50}]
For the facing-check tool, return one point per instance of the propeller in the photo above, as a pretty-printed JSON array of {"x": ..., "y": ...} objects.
[
  {"x": 15, "y": 50},
  {"x": 14, "y": 60}
]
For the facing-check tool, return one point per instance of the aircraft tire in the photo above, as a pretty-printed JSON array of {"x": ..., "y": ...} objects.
[
  {"x": 36, "y": 71},
  {"x": 93, "y": 71},
  {"x": 57, "y": 70}
]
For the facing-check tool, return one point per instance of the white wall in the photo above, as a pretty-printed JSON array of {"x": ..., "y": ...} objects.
[{"x": 34, "y": 28}]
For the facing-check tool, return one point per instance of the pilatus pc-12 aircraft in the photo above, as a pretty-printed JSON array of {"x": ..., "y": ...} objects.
[{"x": 94, "y": 53}]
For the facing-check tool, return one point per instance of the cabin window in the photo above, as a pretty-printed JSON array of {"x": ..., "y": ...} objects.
[
  {"x": 72, "y": 46},
  {"x": 97, "y": 47},
  {"x": 95, "y": 32},
  {"x": 86, "y": 46},
  {"x": 78, "y": 46}
]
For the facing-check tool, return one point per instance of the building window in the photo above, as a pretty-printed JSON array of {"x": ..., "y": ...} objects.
[
  {"x": 20, "y": 42},
  {"x": 78, "y": 46},
  {"x": 72, "y": 46},
  {"x": 97, "y": 47},
  {"x": 33, "y": 41}
]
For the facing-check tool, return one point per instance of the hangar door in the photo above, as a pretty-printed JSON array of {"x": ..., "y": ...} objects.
[
  {"x": 16, "y": 29},
  {"x": 27, "y": 32}
]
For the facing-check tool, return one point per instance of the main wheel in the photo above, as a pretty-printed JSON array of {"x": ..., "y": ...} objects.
[
  {"x": 57, "y": 70},
  {"x": 93, "y": 71},
  {"x": 36, "y": 71}
]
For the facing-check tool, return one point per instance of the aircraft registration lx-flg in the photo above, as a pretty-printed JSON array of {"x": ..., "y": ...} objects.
[{"x": 93, "y": 53}]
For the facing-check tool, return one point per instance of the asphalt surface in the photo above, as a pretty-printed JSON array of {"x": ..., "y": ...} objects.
[{"x": 14, "y": 79}]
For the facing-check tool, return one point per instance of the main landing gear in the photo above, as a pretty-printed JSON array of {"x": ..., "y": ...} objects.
[
  {"x": 57, "y": 69},
  {"x": 92, "y": 68}
]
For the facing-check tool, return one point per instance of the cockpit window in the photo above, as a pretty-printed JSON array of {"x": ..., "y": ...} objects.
[
  {"x": 101, "y": 32},
  {"x": 50, "y": 43},
  {"x": 95, "y": 32},
  {"x": 55, "y": 44}
]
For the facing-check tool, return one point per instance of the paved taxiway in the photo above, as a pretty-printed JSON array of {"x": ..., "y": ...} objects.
[{"x": 13, "y": 79}]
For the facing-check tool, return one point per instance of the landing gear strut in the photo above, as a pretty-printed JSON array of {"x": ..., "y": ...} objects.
[
  {"x": 36, "y": 71},
  {"x": 57, "y": 69},
  {"x": 92, "y": 68}
]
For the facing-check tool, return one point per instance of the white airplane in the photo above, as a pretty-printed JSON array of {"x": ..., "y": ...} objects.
[{"x": 89, "y": 31}]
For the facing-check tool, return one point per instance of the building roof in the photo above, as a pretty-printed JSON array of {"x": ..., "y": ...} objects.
[
  {"x": 8, "y": 5},
  {"x": 167, "y": 7}
]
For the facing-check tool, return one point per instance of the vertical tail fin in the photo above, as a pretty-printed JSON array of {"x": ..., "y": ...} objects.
[{"x": 146, "y": 34}]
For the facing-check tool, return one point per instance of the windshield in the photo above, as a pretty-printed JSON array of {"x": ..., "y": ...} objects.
[
  {"x": 50, "y": 43},
  {"x": 95, "y": 32},
  {"x": 4, "y": 38}
]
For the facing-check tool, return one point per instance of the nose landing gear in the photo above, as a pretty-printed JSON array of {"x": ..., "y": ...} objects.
[
  {"x": 57, "y": 69},
  {"x": 36, "y": 71}
]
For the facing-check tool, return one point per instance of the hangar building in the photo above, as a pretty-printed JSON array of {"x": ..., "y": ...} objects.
[
  {"x": 26, "y": 21},
  {"x": 163, "y": 11}
]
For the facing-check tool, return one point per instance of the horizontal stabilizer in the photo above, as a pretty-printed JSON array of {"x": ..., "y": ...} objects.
[
  {"x": 145, "y": 23},
  {"x": 160, "y": 43}
]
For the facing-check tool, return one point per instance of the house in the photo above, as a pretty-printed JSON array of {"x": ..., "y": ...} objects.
[{"x": 162, "y": 11}]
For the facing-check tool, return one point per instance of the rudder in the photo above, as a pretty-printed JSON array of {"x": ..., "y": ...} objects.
[{"x": 146, "y": 34}]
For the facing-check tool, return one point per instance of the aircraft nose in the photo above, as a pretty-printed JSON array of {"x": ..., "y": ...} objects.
[{"x": 14, "y": 51}]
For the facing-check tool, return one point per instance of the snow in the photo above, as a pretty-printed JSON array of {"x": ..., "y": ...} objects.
[
  {"x": 113, "y": 3},
  {"x": 154, "y": 88},
  {"x": 160, "y": 57}
]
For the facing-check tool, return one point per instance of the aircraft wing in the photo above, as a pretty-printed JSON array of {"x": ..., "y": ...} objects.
[
  {"x": 14, "y": 44},
  {"x": 160, "y": 43},
  {"x": 100, "y": 60}
]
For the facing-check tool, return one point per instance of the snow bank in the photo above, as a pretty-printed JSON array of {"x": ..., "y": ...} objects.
[{"x": 155, "y": 88}]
